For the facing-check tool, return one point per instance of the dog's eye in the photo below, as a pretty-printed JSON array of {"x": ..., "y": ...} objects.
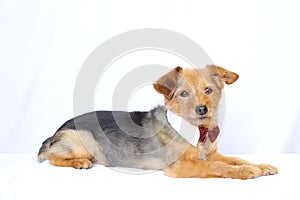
[
  {"x": 184, "y": 94},
  {"x": 208, "y": 90}
]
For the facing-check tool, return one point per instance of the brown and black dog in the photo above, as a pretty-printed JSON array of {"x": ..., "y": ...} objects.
[{"x": 148, "y": 140}]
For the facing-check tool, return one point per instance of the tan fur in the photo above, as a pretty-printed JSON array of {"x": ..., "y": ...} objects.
[
  {"x": 70, "y": 151},
  {"x": 194, "y": 81}
]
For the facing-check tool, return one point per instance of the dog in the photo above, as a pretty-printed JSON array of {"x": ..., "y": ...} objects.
[{"x": 149, "y": 140}]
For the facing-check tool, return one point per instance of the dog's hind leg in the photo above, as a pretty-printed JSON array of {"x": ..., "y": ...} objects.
[
  {"x": 70, "y": 160},
  {"x": 67, "y": 148}
]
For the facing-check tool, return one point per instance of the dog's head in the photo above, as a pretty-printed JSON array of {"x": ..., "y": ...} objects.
[{"x": 194, "y": 94}]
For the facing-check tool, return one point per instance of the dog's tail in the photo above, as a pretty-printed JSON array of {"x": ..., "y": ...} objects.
[{"x": 43, "y": 152}]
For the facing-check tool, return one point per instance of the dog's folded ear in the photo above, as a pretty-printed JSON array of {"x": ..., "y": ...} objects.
[
  {"x": 223, "y": 75},
  {"x": 166, "y": 85}
]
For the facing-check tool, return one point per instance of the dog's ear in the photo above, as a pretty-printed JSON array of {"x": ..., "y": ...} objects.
[
  {"x": 166, "y": 85},
  {"x": 223, "y": 75}
]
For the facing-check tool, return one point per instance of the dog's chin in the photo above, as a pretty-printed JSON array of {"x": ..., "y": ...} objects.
[{"x": 201, "y": 121}]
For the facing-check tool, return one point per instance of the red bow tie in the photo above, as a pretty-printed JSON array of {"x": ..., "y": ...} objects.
[{"x": 212, "y": 134}]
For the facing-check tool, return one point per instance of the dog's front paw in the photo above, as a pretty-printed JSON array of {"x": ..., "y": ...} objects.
[
  {"x": 268, "y": 169},
  {"x": 249, "y": 172}
]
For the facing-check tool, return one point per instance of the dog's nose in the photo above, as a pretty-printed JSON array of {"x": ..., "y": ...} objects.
[{"x": 201, "y": 110}]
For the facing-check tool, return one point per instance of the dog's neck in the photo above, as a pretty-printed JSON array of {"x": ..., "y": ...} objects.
[{"x": 193, "y": 134}]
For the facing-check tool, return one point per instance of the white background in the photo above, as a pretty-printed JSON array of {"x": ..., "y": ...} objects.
[{"x": 44, "y": 43}]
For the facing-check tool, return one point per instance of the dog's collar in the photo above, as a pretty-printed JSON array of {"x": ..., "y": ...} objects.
[{"x": 191, "y": 133}]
